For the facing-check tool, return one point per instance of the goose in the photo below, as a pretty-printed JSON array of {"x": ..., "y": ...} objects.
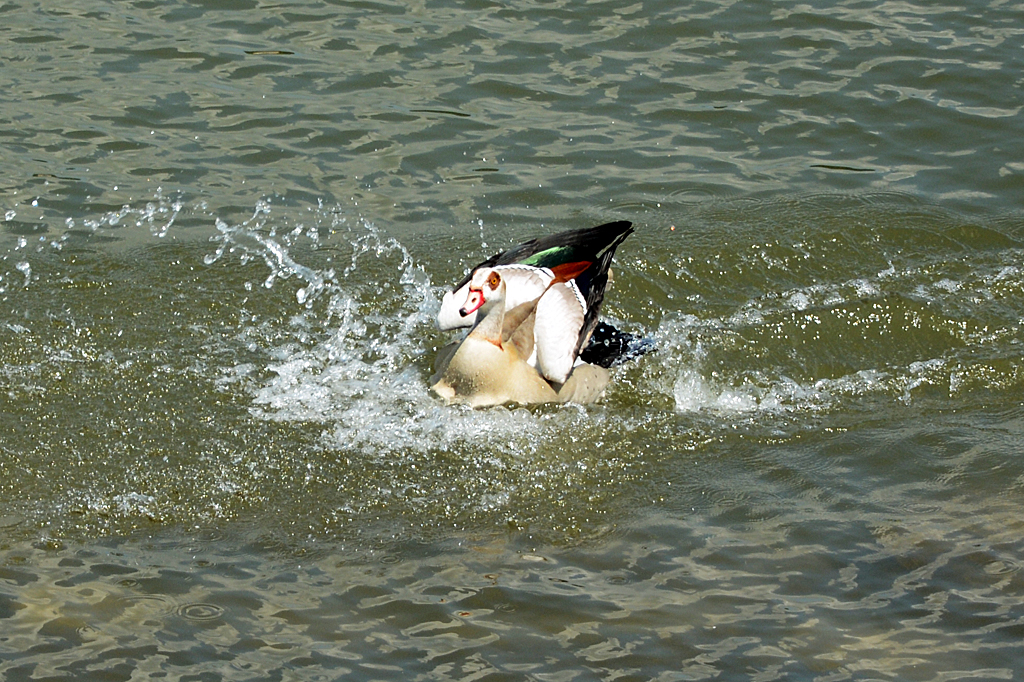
[
  {"x": 564, "y": 275},
  {"x": 489, "y": 367}
]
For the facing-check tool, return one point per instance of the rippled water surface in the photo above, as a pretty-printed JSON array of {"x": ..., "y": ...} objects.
[{"x": 226, "y": 229}]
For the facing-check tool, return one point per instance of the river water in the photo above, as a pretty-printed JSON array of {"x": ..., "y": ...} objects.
[{"x": 226, "y": 228}]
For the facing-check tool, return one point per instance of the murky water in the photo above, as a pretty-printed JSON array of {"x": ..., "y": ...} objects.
[{"x": 226, "y": 231}]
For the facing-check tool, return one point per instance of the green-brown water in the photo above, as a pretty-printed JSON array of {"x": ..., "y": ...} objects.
[{"x": 226, "y": 230}]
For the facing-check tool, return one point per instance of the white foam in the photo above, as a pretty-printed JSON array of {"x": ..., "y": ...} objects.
[
  {"x": 686, "y": 342},
  {"x": 779, "y": 395},
  {"x": 692, "y": 392}
]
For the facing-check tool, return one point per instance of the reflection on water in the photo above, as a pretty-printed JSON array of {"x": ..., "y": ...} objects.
[
  {"x": 937, "y": 592},
  {"x": 437, "y": 113}
]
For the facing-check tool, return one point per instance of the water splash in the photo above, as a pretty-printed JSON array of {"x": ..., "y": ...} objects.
[
  {"x": 24, "y": 268},
  {"x": 359, "y": 361},
  {"x": 256, "y": 238},
  {"x": 939, "y": 329},
  {"x": 367, "y": 376},
  {"x": 157, "y": 215}
]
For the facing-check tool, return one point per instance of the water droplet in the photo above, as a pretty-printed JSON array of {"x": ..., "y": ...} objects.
[{"x": 25, "y": 269}]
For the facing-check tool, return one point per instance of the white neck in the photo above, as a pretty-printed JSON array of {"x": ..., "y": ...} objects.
[{"x": 491, "y": 317}]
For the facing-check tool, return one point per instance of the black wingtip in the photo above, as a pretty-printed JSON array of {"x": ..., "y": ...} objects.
[
  {"x": 610, "y": 235},
  {"x": 610, "y": 347}
]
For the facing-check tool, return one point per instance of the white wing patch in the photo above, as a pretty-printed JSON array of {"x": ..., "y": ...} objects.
[
  {"x": 560, "y": 314},
  {"x": 524, "y": 283}
]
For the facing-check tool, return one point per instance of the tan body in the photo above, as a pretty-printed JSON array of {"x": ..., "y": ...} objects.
[{"x": 489, "y": 367}]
